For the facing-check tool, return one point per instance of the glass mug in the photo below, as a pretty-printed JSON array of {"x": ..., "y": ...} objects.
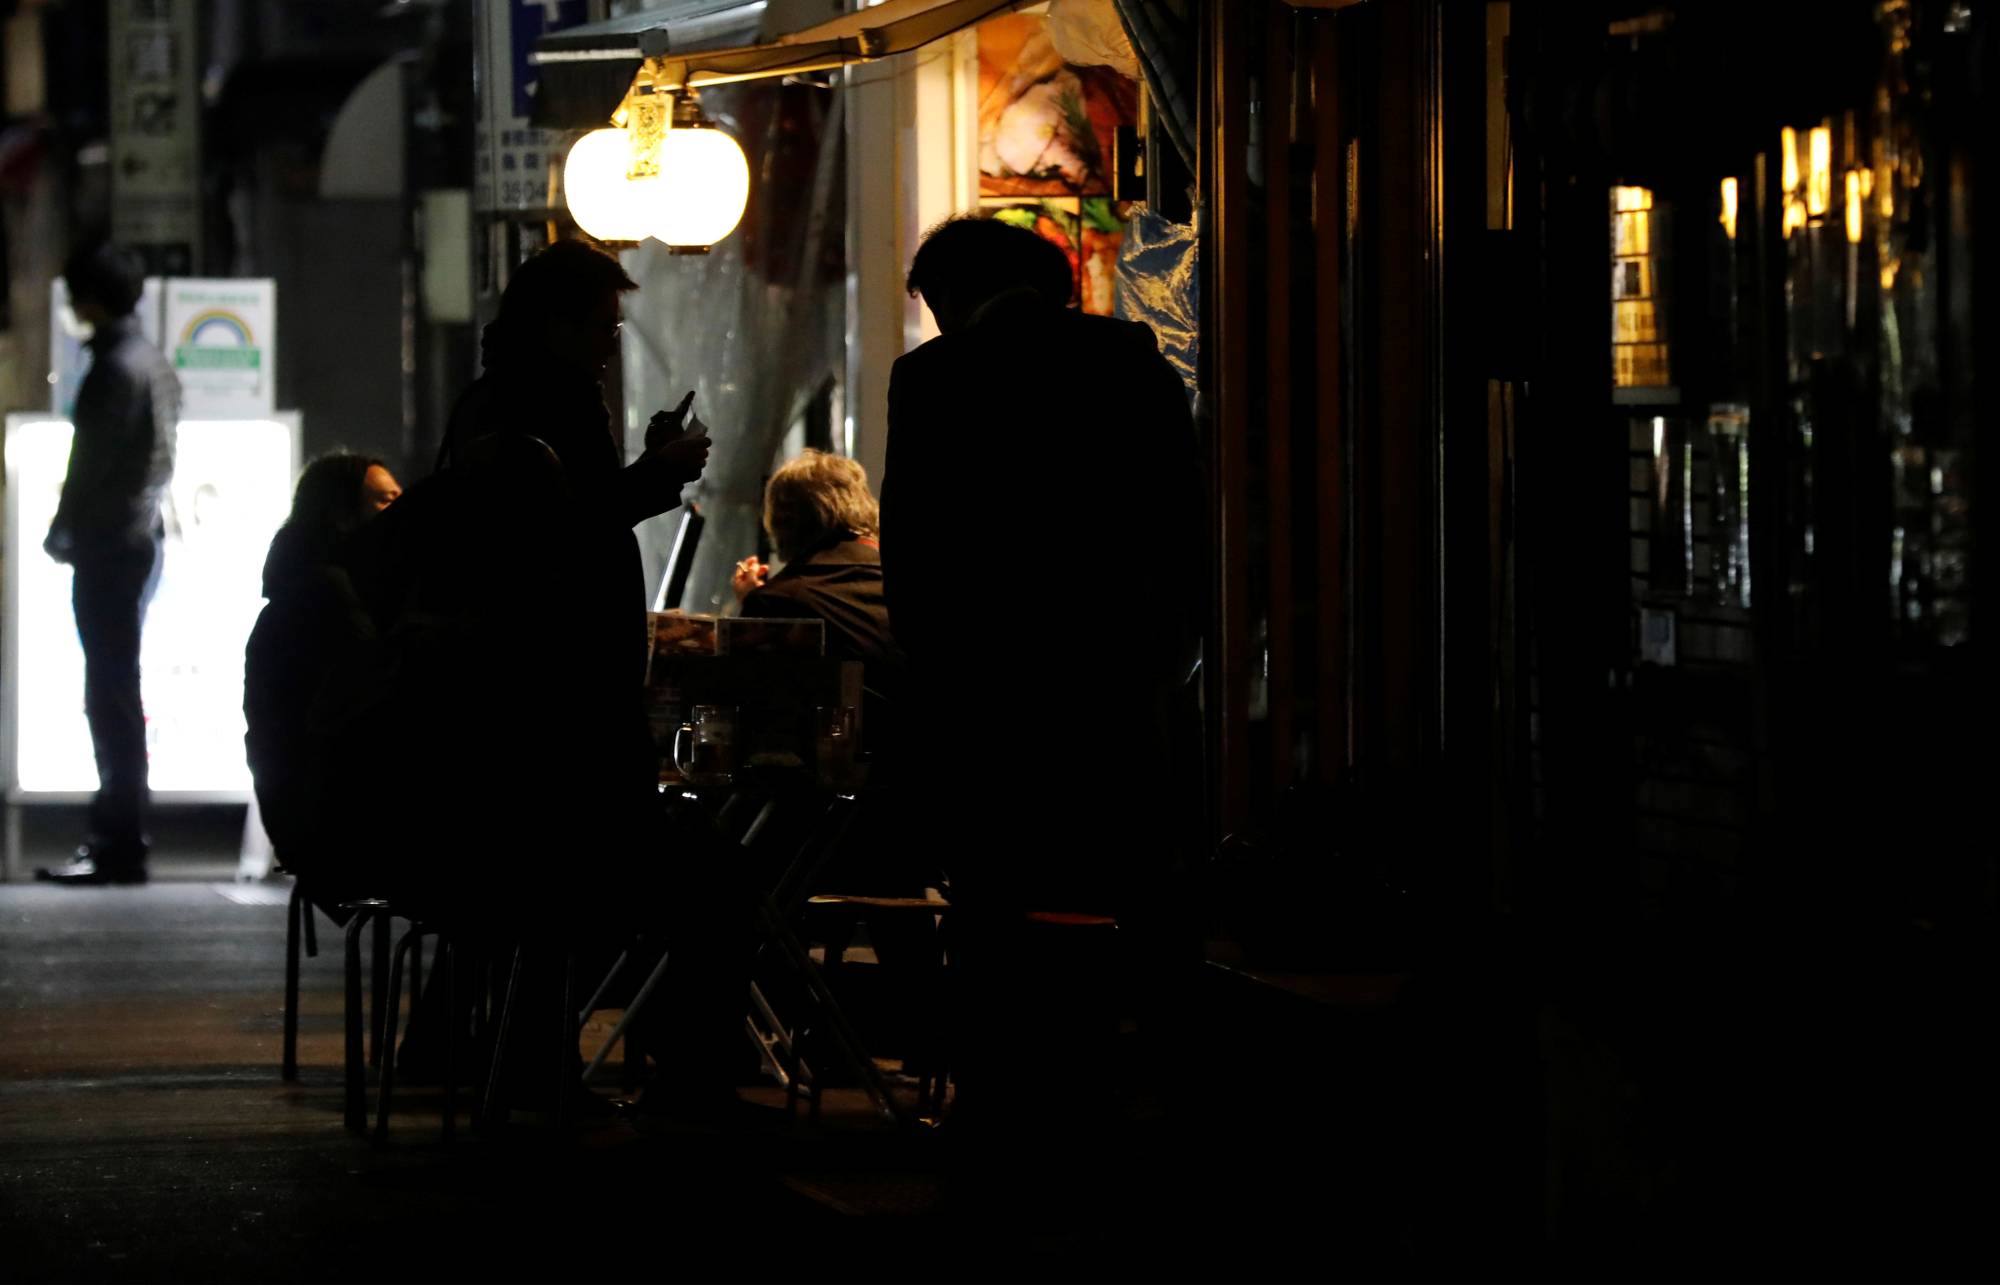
[
  {"x": 705, "y": 747},
  {"x": 835, "y": 743}
]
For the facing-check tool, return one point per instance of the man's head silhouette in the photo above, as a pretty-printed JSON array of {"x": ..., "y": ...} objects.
[
  {"x": 561, "y": 308},
  {"x": 104, "y": 282},
  {"x": 968, "y": 260}
]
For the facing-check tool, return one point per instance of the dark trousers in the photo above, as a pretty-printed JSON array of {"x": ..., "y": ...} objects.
[{"x": 110, "y": 593}]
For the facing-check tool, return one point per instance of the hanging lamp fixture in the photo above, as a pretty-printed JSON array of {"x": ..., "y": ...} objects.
[
  {"x": 707, "y": 182},
  {"x": 662, "y": 170}
]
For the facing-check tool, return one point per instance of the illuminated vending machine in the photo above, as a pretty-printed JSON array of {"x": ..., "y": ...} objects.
[{"x": 234, "y": 464}]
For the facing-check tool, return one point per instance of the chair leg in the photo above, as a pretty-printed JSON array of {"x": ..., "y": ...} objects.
[
  {"x": 632, "y": 1012},
  {"x": 567, "y": 1030},
  {"x": 379, "y": 979},
  {"x": 386, "y": 1087},
  {"x": 356, "y": 1069},
  {"x": 289, "y": 1061},
  {"x": 452, "y": 1031},
  {"x": 416, "y": 984},
  {"x": 590, "y": 1005},
  {"x": 311, "y": 924},
  {"x": 492, "y": 1111}
]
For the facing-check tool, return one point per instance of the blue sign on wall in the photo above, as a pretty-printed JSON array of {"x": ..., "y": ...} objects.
[{"x": 532, "y": 20}]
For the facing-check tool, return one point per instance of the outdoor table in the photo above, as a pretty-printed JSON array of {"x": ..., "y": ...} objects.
[
  {"x": 777, "y": 780},
  {"x": 824, "y": 817}
]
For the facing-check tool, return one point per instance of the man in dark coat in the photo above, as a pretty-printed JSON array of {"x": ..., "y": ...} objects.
[
  {"x": 1064, "y": 694},
  {"x": 1052, "y": 722},
  {"x": 108, "y": 527},
  {"x": 511, "y": 596},
  {"x": 510, "y": 588}
]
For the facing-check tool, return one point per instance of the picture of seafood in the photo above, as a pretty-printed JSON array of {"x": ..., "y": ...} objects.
[{"x": 1046, "y": 127}]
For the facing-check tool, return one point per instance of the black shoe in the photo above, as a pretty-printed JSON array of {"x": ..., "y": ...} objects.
[{"x": 89, "y": 871}]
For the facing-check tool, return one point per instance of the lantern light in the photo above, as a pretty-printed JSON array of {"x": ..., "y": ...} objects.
[
  {"x": 1819, "y": 178},
  {"x": 1854, "y": 194},
  {"x": 1729, "y": 207},
  {"x": 705, "y": 182},
  {"x": 603, "y": 197},
  {"x": 689, "y": 191},
  {"x": 1788, "y": 159}
]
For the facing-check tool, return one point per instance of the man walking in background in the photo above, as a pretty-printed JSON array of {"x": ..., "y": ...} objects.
[{"x": 108, "y": 528}]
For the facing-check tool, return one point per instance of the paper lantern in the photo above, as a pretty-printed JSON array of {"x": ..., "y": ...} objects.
[
  {"x": 704, "y": 185},
  {"x": 603, "y": 198}
]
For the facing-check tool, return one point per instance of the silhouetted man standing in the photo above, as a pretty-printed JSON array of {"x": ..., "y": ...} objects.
[
  {"x": 108, "y": 527},
  {"x": 521, "y": 769},
  {"x": 1041, "y": 554}
]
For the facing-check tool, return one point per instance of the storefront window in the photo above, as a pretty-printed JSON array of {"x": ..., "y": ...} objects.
[{"x": 1639, "y": 350}]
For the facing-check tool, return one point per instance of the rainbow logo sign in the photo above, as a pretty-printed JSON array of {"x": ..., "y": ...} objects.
[{"x": 217, "y": 340}]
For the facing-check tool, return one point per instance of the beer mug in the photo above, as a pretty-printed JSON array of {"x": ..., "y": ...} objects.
[
  {"x": 834, "y": 743},
  {"x": 705, "y": 748}
]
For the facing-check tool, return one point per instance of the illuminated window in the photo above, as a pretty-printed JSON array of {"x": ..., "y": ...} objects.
[{"x": 1638, "y": 333}]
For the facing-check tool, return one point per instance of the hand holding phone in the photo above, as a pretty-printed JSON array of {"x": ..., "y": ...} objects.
[{"x": 669, "y": 425}]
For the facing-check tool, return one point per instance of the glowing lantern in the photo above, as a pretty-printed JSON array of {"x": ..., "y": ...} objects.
[
  {"x": 604, "y": 198},
  {"x": 705, "y": 183},
  {"x": 1729, "y": 207}
]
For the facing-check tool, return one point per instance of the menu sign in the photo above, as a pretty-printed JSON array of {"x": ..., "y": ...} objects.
[
  {"x": 512, "y": 159},
  {"x": 155, "y": 132}
]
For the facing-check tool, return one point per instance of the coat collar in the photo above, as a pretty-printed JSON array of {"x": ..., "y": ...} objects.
[{"x": 115, "y": 331}]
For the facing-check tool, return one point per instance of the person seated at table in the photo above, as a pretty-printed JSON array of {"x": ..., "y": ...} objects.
[
  {"x": 312, "y": 619},
  {"x": 824, "y": 527}
]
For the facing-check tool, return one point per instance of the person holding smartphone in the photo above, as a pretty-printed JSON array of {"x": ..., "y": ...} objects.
[{"x": 510, "y": 590}]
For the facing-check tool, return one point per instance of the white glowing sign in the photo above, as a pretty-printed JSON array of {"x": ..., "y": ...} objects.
[{"x": 231, "y": 489}]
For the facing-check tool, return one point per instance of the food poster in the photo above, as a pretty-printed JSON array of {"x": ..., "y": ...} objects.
[
  {"x": 1089, "y": 232},
  {"x": 1047, "y": 133}
]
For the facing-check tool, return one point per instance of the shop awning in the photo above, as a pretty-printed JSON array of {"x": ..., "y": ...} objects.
[
  {"x": 686, "y": 48},
  {"x": 584, "y": 71}
]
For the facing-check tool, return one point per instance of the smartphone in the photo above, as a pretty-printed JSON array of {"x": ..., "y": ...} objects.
[{"x": 671, "y": 425}]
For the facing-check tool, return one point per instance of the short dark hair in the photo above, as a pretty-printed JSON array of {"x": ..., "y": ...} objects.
[
  {"x": 105, "y": 275},
  {"x": 974, "y": 257},
  {"x": 562, "y": 281}
]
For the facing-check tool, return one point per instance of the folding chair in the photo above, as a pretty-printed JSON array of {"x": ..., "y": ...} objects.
[{"x": 777, "y": 910}]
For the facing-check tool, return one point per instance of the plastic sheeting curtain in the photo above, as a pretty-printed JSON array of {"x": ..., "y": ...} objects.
[
  {"x": 1158, "y": 284},
  {"x": 755, "y": 327}
]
